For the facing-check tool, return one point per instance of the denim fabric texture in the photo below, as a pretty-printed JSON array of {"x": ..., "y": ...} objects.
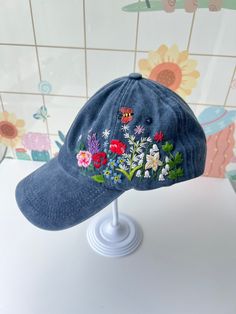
[{"x": 61, "y": 194}]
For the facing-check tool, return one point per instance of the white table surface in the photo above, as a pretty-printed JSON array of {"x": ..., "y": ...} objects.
[{"x": 186, "y": 264}]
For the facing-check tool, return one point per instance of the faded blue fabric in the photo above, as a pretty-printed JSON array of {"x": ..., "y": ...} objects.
[{"x": 60, "y": 195}]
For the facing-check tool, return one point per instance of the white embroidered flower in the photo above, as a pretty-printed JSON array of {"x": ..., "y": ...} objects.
[
  {"x": 155, "y": 148},
  {"x": 139, "y": 129},
  {"x": 164, "y": 172},
  {"x": 167, "y": 167},
  {"x": 146, "y": 174},
  {"x": 106, "y": 133},
  {"x": 153, "y": 161},
  {"x": 161, "y": 177},
  {"x": 141, "y": 156},
  {"x": 126, "y": 135},
  {"x": 149, "y": 139},
  {"x": 124, "y": 167},
  {"x": 138, "y": 173},
  {"x": 132, "y": 137},
  {"x": 134, "y": 165},
  {"x": 167, "y": 159},
  {"x": 140, "y": 162},
  {"x": 136, "y": 158},
  {"x": 124, "y": 128},
  {"x": 142, "y": 144}
]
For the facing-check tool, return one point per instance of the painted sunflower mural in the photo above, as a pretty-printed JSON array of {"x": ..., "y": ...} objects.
[
  {"x": 171, "y": 68},
  {"x": 11, "y": 129}
]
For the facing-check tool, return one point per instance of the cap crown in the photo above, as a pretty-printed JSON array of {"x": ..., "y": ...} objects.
[{"x": 134, "y": 133}]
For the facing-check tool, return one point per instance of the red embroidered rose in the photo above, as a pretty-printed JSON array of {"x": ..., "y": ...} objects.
[
  {"x": 117, "y": 147},
  {"x": 99, "y": 159},
  {"x": 158, "y": 137}
]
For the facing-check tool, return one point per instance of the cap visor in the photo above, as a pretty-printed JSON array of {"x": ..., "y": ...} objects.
[{"x": 52, "y": 199}]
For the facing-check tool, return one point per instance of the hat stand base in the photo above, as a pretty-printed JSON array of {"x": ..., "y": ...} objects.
[{"x": 114, "y": 235}]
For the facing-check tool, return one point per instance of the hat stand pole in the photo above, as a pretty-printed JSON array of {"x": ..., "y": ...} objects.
[{"x": 114, "y": 235}]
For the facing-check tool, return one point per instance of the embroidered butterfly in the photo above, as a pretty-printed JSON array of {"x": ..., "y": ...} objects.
[
  {"x": 126, "y": 114},
  {"x": 41, "y": 114}
]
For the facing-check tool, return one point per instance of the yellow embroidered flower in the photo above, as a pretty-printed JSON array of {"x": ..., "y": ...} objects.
[
  {"x": 171, "y": 68},
  {"x": 153, "y": 161},
  {"x": 11, "y": 129}
]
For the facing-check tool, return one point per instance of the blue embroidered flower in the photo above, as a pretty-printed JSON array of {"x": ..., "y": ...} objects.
[
  {"x": 116, "y": 178},
  {"x": 121, "y": 160},
  {"x": 112, "y": 163},
  {"x": 107, "y": 173}
]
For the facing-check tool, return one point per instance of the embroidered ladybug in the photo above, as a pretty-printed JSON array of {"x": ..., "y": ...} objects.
[{"x": 126, "y": 114}]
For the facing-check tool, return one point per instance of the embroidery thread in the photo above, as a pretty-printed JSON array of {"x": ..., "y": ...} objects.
[{"x": 134, "y": 156}]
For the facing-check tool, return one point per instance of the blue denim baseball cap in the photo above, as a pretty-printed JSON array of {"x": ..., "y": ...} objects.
[{"x": 132, "y": 134}]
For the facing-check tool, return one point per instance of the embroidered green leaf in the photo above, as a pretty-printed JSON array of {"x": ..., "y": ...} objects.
[
  {"x": 176, "y": 173},
  {"x": 129, "y": 175},
  {"x": 167, "y": 147},
  {"x": 79, "y": 147},
  {"x": 178, "y": 158},
  {"x": 98, "y": 178}
]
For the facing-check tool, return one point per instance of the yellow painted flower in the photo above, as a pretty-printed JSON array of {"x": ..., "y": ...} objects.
[
  {"x": 11, "y": 129},
  {"x": 171, "y": 68}
]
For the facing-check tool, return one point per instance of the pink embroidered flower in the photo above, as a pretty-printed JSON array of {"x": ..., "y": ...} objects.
[
  {"x": 84, "y": 158},
  {"x": 139, "y": 129}
]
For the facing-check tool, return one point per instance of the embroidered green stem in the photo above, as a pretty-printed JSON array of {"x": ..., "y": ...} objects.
[{"x": 129, "y": 175}]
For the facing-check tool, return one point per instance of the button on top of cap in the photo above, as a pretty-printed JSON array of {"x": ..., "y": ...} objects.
[{"x": 136, "y": 76}]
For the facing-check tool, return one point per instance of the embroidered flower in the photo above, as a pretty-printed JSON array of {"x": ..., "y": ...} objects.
[
  {"x": 158, "y": 137},
  {"x": 124, "y": 127},
  {"x": 146, "y": 174},
  {"x": 93, "y": 144},
  {"x": 117, "y": 147},
  {"x": 116, "y": 178},
  {"x": 153, "y": 161},
  {"x": 154, "y": 149},
  {"x": 139, "y": 129},
  {"x": 112, "y": 163},
  {"x": 99, "y": 159},
  {"x": 121, "y": 160},
  {"x": 138, "y": 173},
  {"x": 161, "y": 177},
  {"x": 124, "y": 167},
  {"x": 84, "y": 158},
  {"x": 107, "y": 173},
  {"x": 127, "y": 114},
  {"x": 106, "y": 133}
]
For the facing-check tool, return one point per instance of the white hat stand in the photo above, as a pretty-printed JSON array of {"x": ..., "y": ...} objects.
[{"x": 114, "y": 235}]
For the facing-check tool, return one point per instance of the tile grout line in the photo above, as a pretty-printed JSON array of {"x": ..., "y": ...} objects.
[
  {"x": 112, "y": 49},
  {"x": 136, "y": 41},
  {"x": 191, "y": 30},
  {"x": 227, "y": 95},
  {"x": 40, "y": 94},
  {"x": 38, "y": 62},
  {"x": 1, "y": 102},
  {"x": 85, "y": 50}
]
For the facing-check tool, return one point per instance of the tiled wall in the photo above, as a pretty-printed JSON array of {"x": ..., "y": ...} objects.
[{"x": 54, "y": 54}]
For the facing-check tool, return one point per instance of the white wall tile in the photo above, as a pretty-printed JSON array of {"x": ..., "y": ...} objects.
[
  {"x": 18, "y": 69},
  {"x": 24, "y": 106},
  {"x": 214, "y": 33},
  {"x": 107, "y": 26},
  {"x": 213, "y": 83},
  {"x": 62, "y": 112},
  {"x": 64, "y": 69},
  {"x": 104, "y": 66},
  {"x": 59, "y": 22},
  {"x": 158, "y": 28},
  {"x": 15, "y": 22},
  {"x": 231, "y": 100}
]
